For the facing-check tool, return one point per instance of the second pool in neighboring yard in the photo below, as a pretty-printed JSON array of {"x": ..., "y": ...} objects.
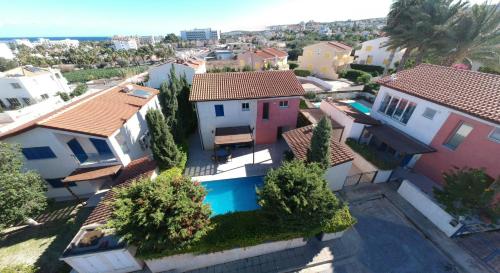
[
  {"x": 230, "y": 195},
  {"x": 361, "y": 107}
]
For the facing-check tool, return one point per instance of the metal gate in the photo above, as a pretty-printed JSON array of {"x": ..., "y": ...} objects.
[{"x": 356, "y": 179}]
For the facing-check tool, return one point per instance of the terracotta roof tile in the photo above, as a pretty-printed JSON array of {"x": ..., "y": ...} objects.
[
  {"x": 314, "y": 115},
  {"x": 84, "y": 174},
  {"x": 245, "y": 85},
  {"x": 143, "y": 167},
  {"x": 270, "y": 53},
  {"x": 339, "y": 45},
  {"x": 471, "y": 92},
  {"x": 299, "y": 141}
]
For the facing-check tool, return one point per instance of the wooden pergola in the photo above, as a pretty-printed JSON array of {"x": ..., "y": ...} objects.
[{"x": 232, "y": 136}]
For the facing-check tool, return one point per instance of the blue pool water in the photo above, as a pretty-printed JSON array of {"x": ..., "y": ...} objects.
[
  {"x": 360, "y": 107},
  {"x": 230, "y": 195}
]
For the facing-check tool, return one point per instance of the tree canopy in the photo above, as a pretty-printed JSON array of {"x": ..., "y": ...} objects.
[
  {"x": 320, "y": 150},
  {"x": 167, "y": 213},
  {"x": 469, "y": 191},
  {"x": 164, "y": 149},
  {"x": 298, "y": 196},
  {"x": 22, "y": 194}
]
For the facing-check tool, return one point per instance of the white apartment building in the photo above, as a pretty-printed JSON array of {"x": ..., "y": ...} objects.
[
  {"x": 202, "y": 34},
  {"x": 64, "y": 43},
  {"x": 6, "y": 52},
  {"x": 27, "y": 85},
  {"x": 374, "y": 52},
  {"x": 24, "y": 42},
  {"x": 80, "y": 147},
  {"x": 124, "y": 43}
]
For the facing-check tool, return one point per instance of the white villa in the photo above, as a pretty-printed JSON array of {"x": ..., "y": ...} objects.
[
  {"x": 78, "y": 148},
  {"x": 374, "y": 52},
  {"x": 160, "y": 73}
]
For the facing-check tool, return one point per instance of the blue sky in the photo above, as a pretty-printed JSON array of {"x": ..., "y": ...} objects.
[{"x": 50, "y": 18}]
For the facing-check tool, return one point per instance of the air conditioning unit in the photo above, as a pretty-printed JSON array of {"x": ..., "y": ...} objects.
[{"x": 127, "y": 88}]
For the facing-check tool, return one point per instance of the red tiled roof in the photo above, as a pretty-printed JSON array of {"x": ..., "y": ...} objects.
[
  {"x": 142, "y": 167},
  {"x": 84, "y": 174},
  {"x": 270, "y": 53},
  {"x": 245, "y": 85},
  {"x": 299, "y": 141},
  {"x": 99, "y": 114},
  {"x": 471, "y": 92},
  {"x": 340, "y": 45}
]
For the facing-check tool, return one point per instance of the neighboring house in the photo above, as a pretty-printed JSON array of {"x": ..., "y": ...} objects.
[
  {"x": 124, "y": 43},
  {"x": 224, "y": 54},
  {"x": 78, "y": 148},
  {"x": 6, "y": 52},
  {"x": 299, "y": 141},
  {"x": 160, "y": 73},
  {"x": 203, "y": 34},
  {"x": 108, "y": 254},
  {"x": 28, "y": 90},
  {"x": 266, "y": 102},
  {"x": 264, "y": 59},
  {"x": 455, "y": 111},
  {"x": 325, "y": 59},
  {"x": 374, "y": 52}
]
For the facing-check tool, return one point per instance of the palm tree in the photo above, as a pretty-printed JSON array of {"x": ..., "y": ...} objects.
[
  {"x": 419, "y": 24},
  {"x": 476, "y": 36}
]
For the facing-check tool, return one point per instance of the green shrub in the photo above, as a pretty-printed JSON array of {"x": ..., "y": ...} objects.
[
  {"x": 342, "y": 220},
  {"x": 86, "y": 75},
  {"x": 20, "y": 268},
  {"x": 371, "y": 87},
  {"x": 303, "y": 105},
  {"x": 374, "y": 70},
  {"x": 167, "y": 213},
  {"x": 79, "y": 90},
  {"x": 310, "y": 95},
  {"x": 352, "y": 74},
  {"x": 370, "y": 154},
  {"x": 297, "y": 196},
  {"x": 292, "y": 66},
  {"x": 64, "y": 96},
  {"x": 363, "y": 79},
  {"x": 302, "y": 72},
  {"x": 490, "y": 70}
]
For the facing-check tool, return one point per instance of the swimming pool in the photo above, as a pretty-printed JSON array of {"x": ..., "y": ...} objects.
[
  {"x": 230, "y": 195},
  {"x": 361, "y": 107}
]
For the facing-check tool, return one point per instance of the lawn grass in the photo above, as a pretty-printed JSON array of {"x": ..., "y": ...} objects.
[{"x": 41, "y": 246}]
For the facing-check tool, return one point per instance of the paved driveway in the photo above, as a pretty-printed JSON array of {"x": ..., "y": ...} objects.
[{"x": 382, "y": 241}]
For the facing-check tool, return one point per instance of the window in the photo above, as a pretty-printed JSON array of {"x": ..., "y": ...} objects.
[
  {"x": 2, "y": 105},
  {"x": 57, "y": 182},
  {"x": 458, "y": 136},
  {"x": 265, "y": 110},
  {"x": 44, "y": 96},
  {"x": 120, "y": 138},
  {"x": 495, "y": 134},
  {"x": 284, "y": 104},
  {"x": 369, "y": 59},
  {"x": 14, "y": 103},
  {"x": 245, "y": 106},
  {"x": 408, "y": 112},
  {"x": 15, "y": 85},
  {"x": 384, "y": 103},
  {"x": 429, "y": 113},
  {"x": 28, "y": 101},
  {"x": 57, "y": 75},
  {"x": 219, "y": 110},
  {"x": 38, "y": 153},
  {"x": 392, "y": 106},
  {"x": 399, "y": 109},
  {"x": 368, "y": 48}
]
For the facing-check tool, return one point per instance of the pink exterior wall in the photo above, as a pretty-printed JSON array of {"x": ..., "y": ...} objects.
[
  {"x": 267, "y": 130},
  {"x": 476, "y": 151}
]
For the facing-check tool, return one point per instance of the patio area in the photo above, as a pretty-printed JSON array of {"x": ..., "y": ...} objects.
[{"x": 202, "y": 167}]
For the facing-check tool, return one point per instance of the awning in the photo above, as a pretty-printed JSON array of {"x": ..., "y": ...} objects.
[
  {"x": 313, "y": 115},
  {"x": 85, "y": 174},
  {"x": 399, "y": 141},
  {"x": 233, "y": 135}
]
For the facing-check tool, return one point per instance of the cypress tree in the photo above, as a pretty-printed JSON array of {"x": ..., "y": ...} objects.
[
  {"x": 320, "y": 149},
  {"x": 168, "y": 101},
  {"x": 164, "y": 149}
]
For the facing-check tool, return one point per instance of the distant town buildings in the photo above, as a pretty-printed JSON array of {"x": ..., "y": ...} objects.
[
  {"x": 325, "y": 59},
  {"x": 124, "y": 43},
  {"x": 264, "y": 59},
  {"x": 375, "y": 52},
  {"x": 6, "y": 52},
  {"x": 203, "y": 34},
  {"x": 28, "y": 90},
  {"x": 50, "y": 43}
]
